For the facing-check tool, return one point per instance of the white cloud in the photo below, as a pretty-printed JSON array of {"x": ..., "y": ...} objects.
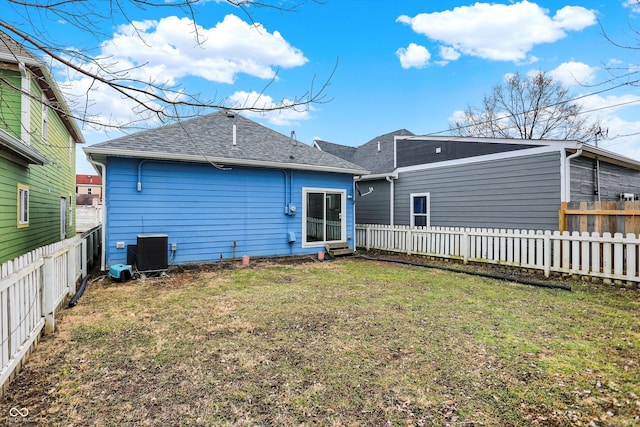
[
  {"x": 617, "y": 114},
  {"x": 449, "y": 54},
  {"x": 99, "y": 105},
  {"x": 623, "y": 136},
  {"x": 169, "y": 50},
  {"x": 633, "y": 4},
  {"x": 574, "y": 18},
  {"x": 574, "y": 73},
  {"x": 165, "y": 52},
  {"x": 480, "y": 30},
  {"x": 456, "y": 116},
  {"x": 608, "y": 105},
  {"x": 255, "y": 100},
  {"x": 413, "y": 56}
]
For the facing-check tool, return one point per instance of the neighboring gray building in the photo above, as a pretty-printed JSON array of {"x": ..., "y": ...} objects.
[
  {"x": 481, "y": 182},
  {"x": 377, "y": 155}
]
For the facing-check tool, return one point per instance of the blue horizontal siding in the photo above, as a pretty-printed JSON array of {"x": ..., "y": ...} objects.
[{"x": 204, "y": 210}]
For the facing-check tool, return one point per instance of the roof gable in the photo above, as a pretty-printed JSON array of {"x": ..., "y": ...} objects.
[
  {"x": 342, "y": 151},
  {"x": 375, "y": 155}
]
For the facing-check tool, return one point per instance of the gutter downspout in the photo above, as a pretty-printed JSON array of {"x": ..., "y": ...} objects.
[
  {"x": 104, "y": 211},
  {"x": 568, "y": 172},
  {"x": 598, "y": 176},
  {"x": 391, "y": 199}
]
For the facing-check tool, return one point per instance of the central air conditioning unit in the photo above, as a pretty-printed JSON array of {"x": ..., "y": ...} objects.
[{"x": 152, "y": 252}]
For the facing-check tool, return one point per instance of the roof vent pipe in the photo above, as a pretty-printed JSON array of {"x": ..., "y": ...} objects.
[
  {"x": 378, "y": 146},
  {"x": 234, "y": 135}
]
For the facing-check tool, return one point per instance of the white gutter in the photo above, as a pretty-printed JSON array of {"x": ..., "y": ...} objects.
[
  {"x": 391, "y": 198},
  {"x": 22, "y": 150},
  {"x": 197, "y": 158},
  {"x": 393, "y": 175},
  {"x": 103, "y": 238},
  {"x": 567, "y": 174}
]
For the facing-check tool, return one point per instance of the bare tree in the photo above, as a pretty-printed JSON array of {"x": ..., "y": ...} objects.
[
  {"x": 166, "y": 102},
  {"x": 532, "y": 107}
]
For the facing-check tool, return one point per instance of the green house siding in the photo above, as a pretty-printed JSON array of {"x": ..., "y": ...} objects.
[
  {"x": 10, "y": 102},
  {"x": 48, "y": 183}
]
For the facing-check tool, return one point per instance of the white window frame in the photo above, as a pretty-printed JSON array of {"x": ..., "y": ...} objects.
[
  {"x": 63, "y": 217},
  {"x": 71, "y": 210},
  {"x": 428, "y": 206},
  {"x": 23, "y": 205},
  {"x": 343, "y": 219}
]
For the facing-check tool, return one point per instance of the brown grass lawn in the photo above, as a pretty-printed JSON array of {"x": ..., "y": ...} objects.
[{"x": 350, "y": 342}]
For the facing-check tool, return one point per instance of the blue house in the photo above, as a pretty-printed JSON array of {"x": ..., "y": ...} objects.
[{"x": 221, "y": 186}]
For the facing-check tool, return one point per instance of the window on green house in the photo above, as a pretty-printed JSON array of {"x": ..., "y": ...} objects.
[{"x": 23, "y": 206}]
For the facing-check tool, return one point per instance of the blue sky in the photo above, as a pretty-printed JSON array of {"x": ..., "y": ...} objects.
[{"x": 405, "y": 64}]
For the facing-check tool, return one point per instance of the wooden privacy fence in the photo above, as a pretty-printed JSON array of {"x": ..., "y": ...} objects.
[
  {"x": 613, "y": 217},
  {"x": 32, "y": 288},
  {"x": 606, "y": 256}
]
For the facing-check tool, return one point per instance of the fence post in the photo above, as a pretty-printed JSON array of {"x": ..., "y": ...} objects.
[
  {"x": 367, "y": 237},
  {"x": 84, "y": 256},
  {"x": 631, "y": 256},
  {"x": 547, "y": 253},
  {"x": 618, "y": 257},
  {"x": 409, "y": 240},
  {"x": 71, "y": 268},
  {"x": 48, "y": 294},
  {"x": 465, "y": 246},
  {"x": 562, "y": 217}
]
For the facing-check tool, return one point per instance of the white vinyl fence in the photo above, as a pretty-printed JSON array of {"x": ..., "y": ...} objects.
[
  {"x": 323, "y": 229},
  {"x": 32, "y": 287},
  {"x": 609, "y": 257}
]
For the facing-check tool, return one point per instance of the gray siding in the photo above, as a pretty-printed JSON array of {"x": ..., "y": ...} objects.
[
  {"x": 373, "y": 208},
  {"x": 521, "y": 193},
  {"x": 614, "y": 180}
]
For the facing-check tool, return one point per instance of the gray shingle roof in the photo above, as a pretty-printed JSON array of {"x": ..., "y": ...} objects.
[
  {"x": 211, "y": 138},
  {"x": 12, "y": 50},
  {"x": 342, "y": 151},
  {"x": 367, "y": 155}
]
